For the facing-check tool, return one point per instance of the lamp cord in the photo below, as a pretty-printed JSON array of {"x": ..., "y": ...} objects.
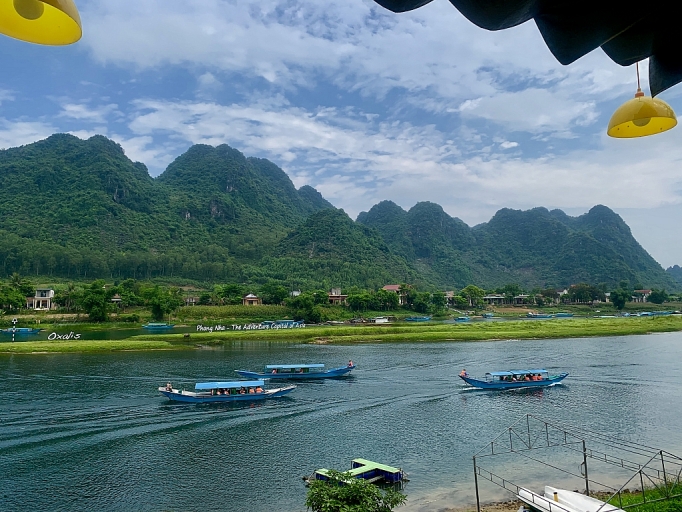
[{"x": 639, "y": 92}]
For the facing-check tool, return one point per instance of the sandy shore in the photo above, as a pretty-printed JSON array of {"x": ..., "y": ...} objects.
[{"x": 503, "y": 506}]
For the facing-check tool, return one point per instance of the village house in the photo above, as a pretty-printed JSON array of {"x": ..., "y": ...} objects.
[
  {"x": 42, "y": 301},
  {"x": 641, "y": 295},
  {"x": 395, "y": 288},
  {"x": 252, "y": 300},
  {"x": 191, "y": 300},
  {"x": 336, "y": 298},
  {"x": 493, "y": 299}
]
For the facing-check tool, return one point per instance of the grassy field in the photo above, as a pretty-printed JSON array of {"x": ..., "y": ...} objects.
[{"x": 483, "y": 331}]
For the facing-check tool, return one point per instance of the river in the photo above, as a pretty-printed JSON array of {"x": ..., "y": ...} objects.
[{"x": 90, "y": 432}]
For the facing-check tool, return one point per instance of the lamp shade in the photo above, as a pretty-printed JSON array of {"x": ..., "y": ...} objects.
[
  {"x": 640, "y": 117},
  {"x": 52, "y": 22}
]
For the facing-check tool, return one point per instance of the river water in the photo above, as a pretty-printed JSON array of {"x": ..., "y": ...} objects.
[{"x": 90, "y": 432}]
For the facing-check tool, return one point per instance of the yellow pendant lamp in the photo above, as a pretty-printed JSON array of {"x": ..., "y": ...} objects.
[
  {"x": 52, "y": 22},
  {"x": 641, "y": 116}
]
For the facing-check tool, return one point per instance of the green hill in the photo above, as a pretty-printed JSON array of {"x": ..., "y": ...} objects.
[
  {"x": 675, "y": 272},
  {"x": 81, "y": 209},
  {"x": 534, "y": 248}
]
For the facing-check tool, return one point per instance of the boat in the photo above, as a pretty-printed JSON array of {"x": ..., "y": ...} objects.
[
  {"x": 297, "y": 371},
  {"x": 564, "y": 315},
  {"x": 514, "y": 379},
  {"x": 488, "y": 315},
  {"x": 417, "y": 318},
  {"x": 158, "y": 326},
  {"x": 368, "y": 470},
  {"x": 561, "y": 500},
  {"x": 462, "y": 319},
  {"x": 218, "y": 392},
  {"x": 539, "y": 315},
  {"x": 19, "y": 331}
]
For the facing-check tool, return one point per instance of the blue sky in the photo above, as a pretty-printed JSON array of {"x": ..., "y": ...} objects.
[{"x": 361, "y": 103}]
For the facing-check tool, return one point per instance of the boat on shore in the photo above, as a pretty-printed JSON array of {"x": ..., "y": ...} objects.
[
  {"x": 297, "y": 371},
  {"x": 228, "y": 391},
  {"x": 462, "y": 319},
  {"x": 158, "y": 326},
  {"x": 561, "y": 500},
  {"x": 19, "y": 331},
  {"x": 417, "y": 318},
  {"x": 564, "y": 315},
  {"x": 539, "y": 315},
  {"x": 514, "y": 379},
  {"x": 372, "y": 472}
]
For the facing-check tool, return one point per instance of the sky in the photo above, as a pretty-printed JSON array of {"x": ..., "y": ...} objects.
[{"x": 358, "y": 102}]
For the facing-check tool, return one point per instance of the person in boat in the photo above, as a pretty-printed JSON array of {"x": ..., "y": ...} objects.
[
  {"x": 274, "y": 371},
  {"x": 251, "y": 391},
  {"x": 464, "y": 373},
  {"x": 259, "y": 389},
  {"x": 242, "y": 391},
  {"x": 350, "y": 363},
  {"x": 169, "y": 386}
]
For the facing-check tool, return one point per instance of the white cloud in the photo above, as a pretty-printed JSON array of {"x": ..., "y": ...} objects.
[
  {"x": 86, "y": 113},
  {"x": 19, "y": 133},
  {"x": 6, "y": 96},
  {"x": 508, "y": 144}
]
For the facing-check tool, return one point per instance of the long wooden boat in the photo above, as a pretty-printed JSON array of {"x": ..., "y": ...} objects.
[
  {"x": 514, "y": 379},
  {"x": 232, "y": 391},
  {"x": 561, "y": 500},
  {"x": 25, "y": 331},
  {"x": 417, "y": 318},
  {"x": 158, "y": 326},
  {"x": 297, "y": 371}
]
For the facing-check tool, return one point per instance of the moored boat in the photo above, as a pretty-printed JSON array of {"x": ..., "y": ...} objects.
[
  {"x": 25, "y": 331},
  {"x": 297, "y": 371},
  {"x": 514, "y": 379},
  {"x": 564, "y": 315},
  {"x": 224, "y": 391},
  {"x": 417, "y": 318},
  {"x": 158, "y": 326},
  {"x": 539, "y": 315},
  {"x": 462, "y": 319}
]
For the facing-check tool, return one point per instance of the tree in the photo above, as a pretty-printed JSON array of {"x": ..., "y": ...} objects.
[
  {"x": 619, "y": 297},
  {"x": 11, "y": 299},
  {"x": 162, "y": 301},
  {"x": 473, "y": 294},
  {"x": 95, "y": 301},
  {"x": 658, "y": 296},
  {"x": 343, "y": 493},
  {"x": 387, "y": 300},
  {"x": 273, "y": 293},
  {"x": 438, "y": 301}
]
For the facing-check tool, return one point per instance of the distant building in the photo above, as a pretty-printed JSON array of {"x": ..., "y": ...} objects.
[
  {"x": 116, "y": 299},
  {"x": 295, "y": 293},
  {"x": 521, "y": 299},
  {"x": 641, "y": 295},
  {"x": 191, "y": 300},
  {"x": 396, "y": 288},
  {"x": 252, "y": 300},
  {"x": 493, "y": 299},
  {"x": 42, "y": 301},
  {"x": 336, "y": 298}
]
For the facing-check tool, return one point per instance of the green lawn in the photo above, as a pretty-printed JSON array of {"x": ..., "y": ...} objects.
[{"x": 484, "y": 331}]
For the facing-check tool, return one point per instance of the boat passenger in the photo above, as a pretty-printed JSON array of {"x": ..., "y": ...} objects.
[
  {"x": 169, "y": 387},
  {"x": 527, "y": 377},
  {"x": 259, "y": 389},
  {"x": 251, "y": 391},
  {"x": 242, "y": 391},
  {"x": 274, "y": 371},
  {"x": 350, "y": 362},
  {"x": 464, "y": 373}
]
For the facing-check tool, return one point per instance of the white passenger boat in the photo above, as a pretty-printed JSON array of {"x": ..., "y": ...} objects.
[{"x": 561, "y": 500}]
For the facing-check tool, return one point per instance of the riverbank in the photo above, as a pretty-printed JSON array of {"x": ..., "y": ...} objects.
[{"x": 482, "y": 331}]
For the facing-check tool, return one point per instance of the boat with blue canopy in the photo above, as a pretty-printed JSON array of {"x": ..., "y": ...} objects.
[
  {"x": 514, "y": 379},
  {"x": 224, "y": 391},
  {"x": 417, "y": 318},
  {"x": 297, "y": 371}
]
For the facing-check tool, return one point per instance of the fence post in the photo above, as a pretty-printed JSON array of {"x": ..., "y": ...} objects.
[
  {"x": 478, "y": 501},
  {"x": 587, "y": 480}
]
